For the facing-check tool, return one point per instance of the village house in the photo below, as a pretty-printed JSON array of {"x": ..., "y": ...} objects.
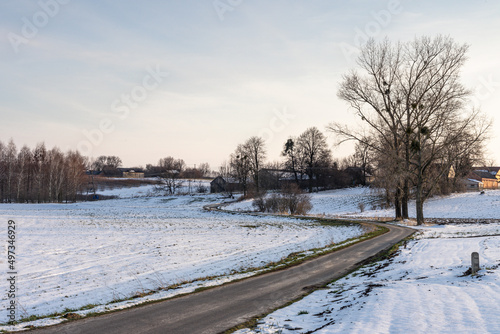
[
  {"x": 487, "y": 178},
  {"x": 132, "y": 174},
  {"x": 221, "y": 185},
  {"x": 495, "y": 171}
]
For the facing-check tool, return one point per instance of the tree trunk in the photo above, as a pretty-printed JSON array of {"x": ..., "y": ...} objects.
[
  {"x": 397, "y": 204},
  {"x": 404, "y": 200},
  {"x": 296, "y": 177},
  {"x": 406, "y": 187},
  {"x": 420, "y": 192},
  {"x": 310, "y": 175},
  {"x": 420, "y": 206},
  {"x": 294, "y": 169},
  {"x": 257, "y": 181}
]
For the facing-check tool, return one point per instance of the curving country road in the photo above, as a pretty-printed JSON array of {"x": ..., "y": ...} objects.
[{"x": 222, "y": 308}]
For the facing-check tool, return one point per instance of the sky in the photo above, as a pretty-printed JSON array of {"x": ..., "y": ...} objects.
[{"x": 193, "y": 79}]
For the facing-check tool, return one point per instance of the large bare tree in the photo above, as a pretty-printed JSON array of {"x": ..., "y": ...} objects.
[
  {"x": 106, "y": 161},
  {"x": 240, "y": 167},
  {"x": 414, "y": 108},
  {"x": 255, "y": 149},
  {"x": 314, "y": 154}
]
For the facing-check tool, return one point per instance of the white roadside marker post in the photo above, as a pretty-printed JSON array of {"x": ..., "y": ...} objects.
[{"x": 475, "y": 263}]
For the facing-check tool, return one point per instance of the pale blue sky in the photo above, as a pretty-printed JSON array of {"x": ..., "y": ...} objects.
[{"x": 192, "y": 79}]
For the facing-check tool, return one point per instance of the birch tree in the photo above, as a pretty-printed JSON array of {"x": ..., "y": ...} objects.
[
  {"x": 10, "y": 163},
  {"x": 24, "y": 161}
]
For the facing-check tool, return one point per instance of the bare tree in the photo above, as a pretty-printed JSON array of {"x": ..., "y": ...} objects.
[
  {"x": 439, "y": 142},
  {"x": 10, "y": 158},
  {"x": 171, "y": 164},
  {"x": 363, "y": 157},
  {"x": 75, "y": 165},
  {"x": 103, "y": 161},
  {"x": 375, "y": 101},
  {"x": 314, "y": 154},
  {"x": 170, "y": 171},
  {"x": 413, "y": 105},
  {"x": 291, "y": 155},
  {"x": 254, "y": 148},
  {"x": 3, "y": 172},
  {"x": 24, "y": 161},
  {"x": 240, "y": 167},
  {"x": 55, "y": 174},
  {"x": 225, "y": 169},
  {"x": 204, "y": 168},
  {"x": 171, "y": 181}
]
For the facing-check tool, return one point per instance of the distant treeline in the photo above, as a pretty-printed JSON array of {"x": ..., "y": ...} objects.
[{"x": 39, "y": 175}]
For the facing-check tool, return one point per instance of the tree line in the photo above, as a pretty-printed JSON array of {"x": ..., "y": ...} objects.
[
  {"x": 170, "y": 165},
  {"x": 40, "y": 175},
  {"x": 307, "y": 162},
  {"x": 172, "y": 171}
]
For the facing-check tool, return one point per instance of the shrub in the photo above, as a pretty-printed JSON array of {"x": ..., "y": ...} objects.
[
  {"x": 361, "y": 206},
  {"x": 292, "y": 201},
  {"x": 259, "y": 204},
  {"x": 274, "y": 203},
  {"x": 304, "y": 206},
  {"x": 297, "y": 202},
  {"x": 201, "y": 188}
]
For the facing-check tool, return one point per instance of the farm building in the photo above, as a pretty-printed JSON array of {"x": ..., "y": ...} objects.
[
  {"x": 494, "y": 171},
  {"x": 488, "y": 179},
  {"x": 132, "y": 174},
  {"x": 473, "y": 185},
  {"x": 218, "y": 185},
  {"x": 221, "y": 185}
]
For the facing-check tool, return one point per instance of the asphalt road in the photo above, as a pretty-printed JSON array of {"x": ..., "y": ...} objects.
[{"x": 221, "y": 308}]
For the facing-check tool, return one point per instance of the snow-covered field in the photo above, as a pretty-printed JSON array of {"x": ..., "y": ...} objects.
[
  {"x": 89, "y": 254},
  {"x": 422, "y": 289},
  {"x": 151, "y": 190},
  {"x": 78, "y": 255}
]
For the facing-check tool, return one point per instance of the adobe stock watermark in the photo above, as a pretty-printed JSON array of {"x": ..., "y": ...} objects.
[
  {"x": 223, "y": 6},
  {"x": 121, "y": 108},
  {"x": 381, "y": 20},
  {"x": 485, "y": 89},
  {"x": 280, "y": 120},
  {"x": 32, "y": 25}
]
